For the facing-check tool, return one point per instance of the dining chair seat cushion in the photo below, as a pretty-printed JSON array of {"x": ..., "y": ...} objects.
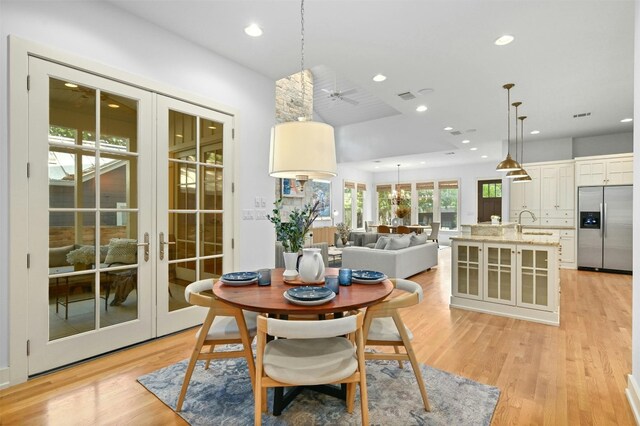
[
  {"x": 385, "y": 329},
  {"x": 227, "y": 328},
  {"x": 310, "y": 361}
]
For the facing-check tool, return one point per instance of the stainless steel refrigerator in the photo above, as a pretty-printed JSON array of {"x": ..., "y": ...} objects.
[{"x": 605, "y": 228}]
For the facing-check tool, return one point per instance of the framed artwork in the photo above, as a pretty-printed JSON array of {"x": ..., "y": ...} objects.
[
  {"x": 321, "y": 190},
  {"x": 292, "y": 188}
]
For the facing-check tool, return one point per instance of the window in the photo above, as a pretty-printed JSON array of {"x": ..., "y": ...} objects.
[
  {"x": 448, "y": 195},
  {"x": 354, "y": 204},
  {"x": 492, "y": 190},
  {"x": 425, "y": 202},
  {"x": 349, "y": 188},
  {"x": 384, "y": 204}
]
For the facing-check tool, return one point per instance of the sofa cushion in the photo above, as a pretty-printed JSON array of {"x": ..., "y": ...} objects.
[
  {"x": 382, "y": 242},
  {"x": 58, "y": 256},
  {"x": 369, "y": 238},
  {"x": 418, "y": 239},
  {"x": 398, "y": 243},
  {"x": 122, "y": 250}
]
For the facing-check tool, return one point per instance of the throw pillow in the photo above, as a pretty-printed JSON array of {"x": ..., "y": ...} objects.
[
  {"x": 398, "y": 243},
  {"x": 418, "y": 239},
  {"x": 122, "y": 250},
  {"x": 381, "y": 243},
  {"x": 369, "y": 238}
]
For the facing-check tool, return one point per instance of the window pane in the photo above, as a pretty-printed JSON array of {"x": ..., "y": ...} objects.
[
  {"x": 425, "y": 206},
  {"x": 347, "y": 207},
  {"x": 384, "y": 204},
  {"x": 492, "y": 190},
  {"x": 499, "y": 190},
  {"x": 448, "y": 192},
  {"x": 360, "y": 208},
  {"x": 485, "y": 190}
]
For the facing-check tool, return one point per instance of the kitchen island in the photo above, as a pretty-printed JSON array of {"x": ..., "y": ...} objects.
[{"x": 507, "y": 273}]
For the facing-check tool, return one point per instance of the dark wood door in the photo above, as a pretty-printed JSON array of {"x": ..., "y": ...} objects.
[{"x": 489, "y": 199}]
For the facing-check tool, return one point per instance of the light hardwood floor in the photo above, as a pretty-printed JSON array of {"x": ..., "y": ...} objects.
[{"x": 574, "y": 374}]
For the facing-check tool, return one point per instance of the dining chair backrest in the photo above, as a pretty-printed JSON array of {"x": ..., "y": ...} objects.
[
  {"x": 193, "y": 294},
  {"x": 435, "y": 227},
  {"x": 384, "y": 229},
  {"x": 402, "y": 229},
  {"x": 310, "y": 329}
]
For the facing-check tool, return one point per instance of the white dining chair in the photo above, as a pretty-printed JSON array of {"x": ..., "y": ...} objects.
[
  {"x": 224, "y": 324},
  {"x": 311, "y": 353},
  {"x": 383, "y": 326}
]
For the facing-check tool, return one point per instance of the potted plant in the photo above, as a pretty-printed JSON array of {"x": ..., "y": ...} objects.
[{"x": 293, "y": 231}]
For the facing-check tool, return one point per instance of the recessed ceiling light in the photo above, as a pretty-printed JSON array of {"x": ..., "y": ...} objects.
[
  {"x": 253, "y": 30},
  {"x": 535, "y": 132},
  {"x": 376, "y": 167},
  {"x": 379, "y": 77},
  {"x": 504, "y": 40},
  {"x": 626, "y": 120},
  {"x": 473, "y": 149},
  {"x": 421, "y": 108},
  {"x": 113, "y": 106},
  {"x": 73, "y": 86},
  {"x": 423, "y": 162},
  {"x": 178, "y": 136},
  {"x": 448, "y": 128},
  {"x": 484, "y": 156},
  {"x": 466, "y": 141}
]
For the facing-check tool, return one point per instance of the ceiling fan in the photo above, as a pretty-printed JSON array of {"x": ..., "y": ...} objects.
[{"x": 341, "y": 95}]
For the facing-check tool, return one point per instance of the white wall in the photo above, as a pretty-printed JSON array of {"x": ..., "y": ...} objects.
[
  {"x": 468, "y": 176},
  {"x": 635, "y": 315},
  {"x": 617, "y": 143},
  {"x": 548, "y": 150},
  {"x": 102, "y": 33}
]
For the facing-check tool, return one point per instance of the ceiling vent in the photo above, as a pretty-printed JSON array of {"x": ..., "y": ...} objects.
[
  {"x": 584, "y": 114},
  {"x": 449, "y": 153},
  {"x": 406, "y": 96},
  {"x": 470, "y": 130},
  {"x": 456, "y": 133}
]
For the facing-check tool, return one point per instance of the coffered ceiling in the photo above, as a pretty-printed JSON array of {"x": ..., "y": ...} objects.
[{"x": 568, "y": 58}]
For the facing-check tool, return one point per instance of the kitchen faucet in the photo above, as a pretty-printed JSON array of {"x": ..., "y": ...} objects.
[{"x": 519, "y": 226}]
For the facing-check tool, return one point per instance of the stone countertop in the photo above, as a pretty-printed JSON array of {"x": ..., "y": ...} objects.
[
  {"x": 561, "y": 227},
  {"x": 545, "y": 240}
]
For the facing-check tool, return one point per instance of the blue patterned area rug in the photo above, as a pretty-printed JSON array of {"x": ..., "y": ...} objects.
[{"x": 222, "y": 395}]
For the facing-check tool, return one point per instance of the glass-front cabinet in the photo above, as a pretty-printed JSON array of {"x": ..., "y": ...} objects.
[
  {"x": 536, "y": 266},
  {"x": 499, "y": 273},
  {"x": 467, "y": 269}
]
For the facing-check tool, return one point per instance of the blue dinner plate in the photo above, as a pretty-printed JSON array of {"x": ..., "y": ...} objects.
[
  {"x": 363, "y": 274},
  {"x": 309, "y": 292},
  {"x": 239, "y": 276}
]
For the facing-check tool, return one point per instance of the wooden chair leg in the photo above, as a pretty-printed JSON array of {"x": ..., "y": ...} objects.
[
  {"x": 412, "y": 359},
  {"x": 258, "y": 402},
  {"x": 211, "y": 349},
  {"x": 397, "y": 350},
  {"x": 351, "y": 396},
  {"x": 364, "y": 400}
]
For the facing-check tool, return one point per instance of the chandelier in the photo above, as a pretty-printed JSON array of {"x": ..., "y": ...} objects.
[
  {"x": 302, "y": 149},
  {"x": 398, "y": 197}
]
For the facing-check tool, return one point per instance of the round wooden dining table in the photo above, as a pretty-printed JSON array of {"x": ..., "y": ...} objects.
[{"x": 270, "y": 299}]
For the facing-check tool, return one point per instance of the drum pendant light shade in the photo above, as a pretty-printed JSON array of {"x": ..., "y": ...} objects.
[
  {"x": 508, "y": 165},
  {"x": 302, "y": 150}
]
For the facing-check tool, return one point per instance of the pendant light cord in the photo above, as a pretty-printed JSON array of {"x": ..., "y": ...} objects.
[{"x": 509, "y": 121}]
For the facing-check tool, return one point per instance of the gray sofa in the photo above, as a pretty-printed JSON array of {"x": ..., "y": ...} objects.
[{"x": 400, "y": 263}]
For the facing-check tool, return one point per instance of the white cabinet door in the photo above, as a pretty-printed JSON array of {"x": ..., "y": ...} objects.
[
  {"x": 567, "y": 248},
  {"x": 620, "y": 171},
  {"x": 500, "y": 273},
  {"x": 549, "y": 191},
  {"x": 589, "y": 173},
  {"x": 566, "y": 195},
  {"x": 537, "y": 277},
  {"x": 467, "y": 269}
]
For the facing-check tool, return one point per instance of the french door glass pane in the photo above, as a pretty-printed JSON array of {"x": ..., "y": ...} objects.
[
  {"x": 89, "y": 181},
  {"x": 195, "y": 170}
]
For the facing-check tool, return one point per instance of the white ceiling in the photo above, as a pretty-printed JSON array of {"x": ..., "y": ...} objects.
[{"x": 569, "y": 57}]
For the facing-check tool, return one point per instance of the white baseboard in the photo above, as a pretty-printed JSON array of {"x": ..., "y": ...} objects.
[
  {"x": 633, "y": 395},
  {"x": 4, "y": 377}
]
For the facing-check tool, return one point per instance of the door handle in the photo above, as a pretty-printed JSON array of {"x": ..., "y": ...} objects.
[
  {"x": 146, "y": 246},
  {"x": 601, "y": 220},
  {"x": 162, "y": 244},
  {"x": 604, "y": 220}
]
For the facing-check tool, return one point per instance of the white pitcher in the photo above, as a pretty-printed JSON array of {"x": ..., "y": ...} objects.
[{"x": 311, "y": 267}]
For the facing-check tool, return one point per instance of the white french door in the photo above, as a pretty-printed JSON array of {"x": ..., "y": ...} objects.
[
  {"x": 195, "y": 200},
  {"x": 129, "y": 201}
]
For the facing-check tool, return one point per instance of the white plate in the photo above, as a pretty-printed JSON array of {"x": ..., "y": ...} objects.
[
  {"x": 359, "y": 281},
  {"x": 308, "y": 302},
  {"x": 239, "y": 283}
]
